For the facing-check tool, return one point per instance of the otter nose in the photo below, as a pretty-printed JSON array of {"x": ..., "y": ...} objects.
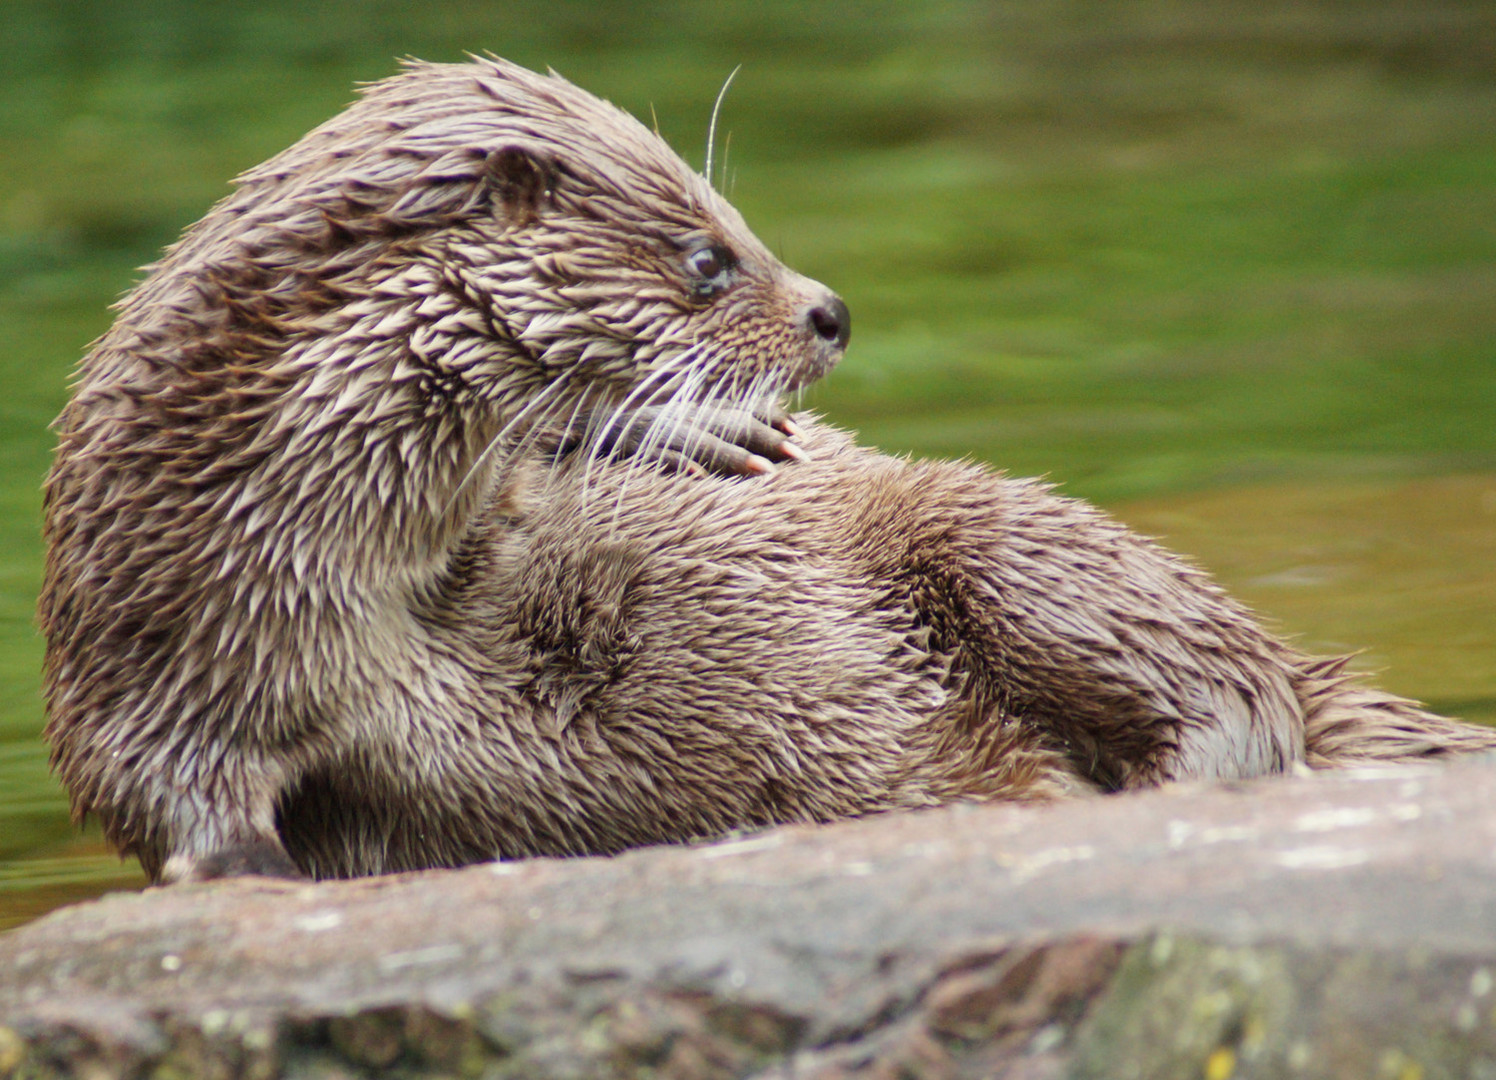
[{"x": 832, "y": 321}]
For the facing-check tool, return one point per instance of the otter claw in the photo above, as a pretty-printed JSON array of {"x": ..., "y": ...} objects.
[{"x": 789, "y": 427}]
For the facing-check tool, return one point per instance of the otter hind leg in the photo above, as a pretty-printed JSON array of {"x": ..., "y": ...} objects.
[{"x": 1126, "y": 658}]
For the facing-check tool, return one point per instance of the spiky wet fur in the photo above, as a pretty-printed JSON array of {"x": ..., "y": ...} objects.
[{"x": 313, "y": 577}]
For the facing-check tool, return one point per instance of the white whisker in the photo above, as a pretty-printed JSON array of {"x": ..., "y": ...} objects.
[
  {"x": 552, "y": 475},
  {"x": 597, "y": 433},
  {"x": 682, "y": 404},
  {"x": 659, "y": 434},
  {"x": 493, "y": 444},
  {"x": 711, "y": 130},
  {"x": 536, "y": 432}
]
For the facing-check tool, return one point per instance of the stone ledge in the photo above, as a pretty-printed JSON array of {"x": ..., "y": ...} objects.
[{"x": 1339, "y": 924}]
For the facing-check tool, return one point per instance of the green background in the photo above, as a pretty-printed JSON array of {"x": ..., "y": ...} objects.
[{"x": 1228, "y": 268}]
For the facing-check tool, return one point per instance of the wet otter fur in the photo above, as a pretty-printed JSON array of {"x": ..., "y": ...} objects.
[{"x": 379, "y": 537}]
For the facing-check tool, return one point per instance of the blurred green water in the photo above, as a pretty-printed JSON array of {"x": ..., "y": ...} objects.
[{"x": 1220, "y": 257}]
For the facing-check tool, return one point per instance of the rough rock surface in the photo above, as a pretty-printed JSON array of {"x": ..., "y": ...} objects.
[{"x": 1334, "y": 925}]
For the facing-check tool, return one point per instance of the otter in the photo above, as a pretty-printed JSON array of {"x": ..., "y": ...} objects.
[{"x": 432, "y": 501}]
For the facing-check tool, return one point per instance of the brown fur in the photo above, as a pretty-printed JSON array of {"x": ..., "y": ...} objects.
[{"x": 320, "y": 597}]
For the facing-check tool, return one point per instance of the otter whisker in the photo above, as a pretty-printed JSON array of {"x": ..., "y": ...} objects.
[
  {"x": 598, "y": 426},
  {"x": 492, "y": 446},
  {"x": 754, "y": 398},
  {"x": 708, "y": 408},
  {"x": 596, "y": 434},
  {"x": 682, "y": 393},
  {"x": 540, "y": 426},
  {"x": 667, "y": 371},
  {"x": 576, "y": 421},
  {"x": 683, "y": 403},
  {"x": 494, "y": 443},
  {"x": 759, "y": 395},
  {"x": 659, "y": 434},
  {"x": 711, "y": 130},
  {"x": 643, "y": 454},
  {"x": 584, "y": 400},
  {"x": 612, "y": 424},
  {"x": 773, "y": 396},
  {"x": 676, "y": 367},
  {"x": 650, "y": 440}
]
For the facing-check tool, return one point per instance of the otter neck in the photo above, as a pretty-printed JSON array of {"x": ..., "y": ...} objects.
[{"x": 381, "y": 451}]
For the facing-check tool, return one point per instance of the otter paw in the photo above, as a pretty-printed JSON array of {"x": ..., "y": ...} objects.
[
  {"x": 728, "y": 442},
  {"x": 258, "y": 858}
]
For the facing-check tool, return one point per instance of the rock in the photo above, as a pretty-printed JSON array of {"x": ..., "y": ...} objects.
[{"x": 1340, "y": 924}]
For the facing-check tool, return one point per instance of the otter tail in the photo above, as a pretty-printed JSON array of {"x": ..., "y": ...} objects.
[{"x": 1347, "y": 723}]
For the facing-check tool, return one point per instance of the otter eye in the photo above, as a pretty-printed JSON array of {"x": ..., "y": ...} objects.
[{"x": 709, "y": 265}]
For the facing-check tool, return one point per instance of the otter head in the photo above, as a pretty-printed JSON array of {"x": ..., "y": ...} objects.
[
  {"x": 612, "y": 264},
  {"x": 506, "y": 247}
]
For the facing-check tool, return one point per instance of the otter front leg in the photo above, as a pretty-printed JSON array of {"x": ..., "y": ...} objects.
[
  {"x": 729, "y": 442},
  {"x": 263, "y": 856},
  {"x": 218, "y": 819}
]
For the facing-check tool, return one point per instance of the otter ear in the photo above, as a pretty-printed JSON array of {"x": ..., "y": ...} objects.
[
  {"x": 512, "y": 181},
  {"x": 522, "y": 180}
]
